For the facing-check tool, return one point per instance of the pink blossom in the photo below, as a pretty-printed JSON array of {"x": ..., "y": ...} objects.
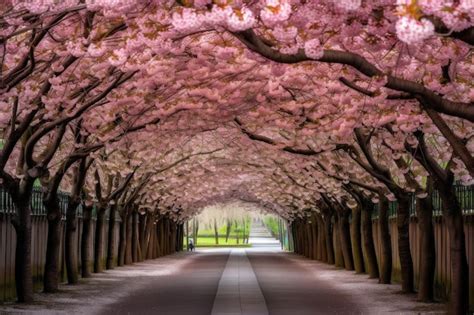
[
  {"x": 412, "y": 31},
  {"x": 187, "y": 20},
  {"x": 348, "y": 5},
  {"x": 275, "y": 11},
  {"x": 240, "y": 19},
  {"x": 313, "y": 49}
]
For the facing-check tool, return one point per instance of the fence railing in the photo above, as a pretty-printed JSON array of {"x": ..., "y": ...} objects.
[
  {"x": 465, "y": 196},
  {"x": 37, "y": 206}
]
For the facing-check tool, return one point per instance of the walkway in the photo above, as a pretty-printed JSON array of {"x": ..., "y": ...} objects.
[
  {"x": 256, "y": 281},
  {"x": 260, "y": 237},
  {"x": 239, "y": 291}
]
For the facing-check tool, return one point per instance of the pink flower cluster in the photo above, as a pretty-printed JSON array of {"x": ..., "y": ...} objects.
[
  {"x": 187, "y": 20},
  {"x": 313, "y": 49},
  {"x": 240, "y": 19},
  {"x": 190, "y": 20},
  {"x": 456, "y": 15},
  {"x": 411, "y": 31},
  {"x": 414, "y": 26},
  {"x": 275, "y": 12},
  {"x": 40, "y": 6},
  {"x": 348, "y": 5}
]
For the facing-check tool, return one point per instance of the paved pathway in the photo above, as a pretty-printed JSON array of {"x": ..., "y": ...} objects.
[
  {"x": 253, "y": 283},
  {"x": 260, "y": 237},
  {"x": 239, "y": 291},
  {"x": 267, "y": 283},
  {"x": 190, "y": 290},
  {"x": 290, "y": 289},
  {"x": 256, "y": 281}
]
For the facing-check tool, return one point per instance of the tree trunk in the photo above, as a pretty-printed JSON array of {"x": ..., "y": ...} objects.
[
  {"x": 162, "y": 232},
  {"x": 149, "y": 237},
  {"x": 99, "y": 241},
  {"x": 174, "y": 231},
  {"x": 345, "y": 235},
  {"x": 385, "y": 242},
  {"x": 187, "y": 235},
  {"x": 328, "y": 238},
  {"x": 178, "y": 237},
  {"x": 227, "y": 231},
  {"x": 111, "y": 238},
  {"x": 452, "y": 214},
  {"x": 291, "y": 240},
  {"x": 70, "y": 242},
  {"x": 372, "y": 266},
  {"x": 85, "y": 238},
  {"x": 23, "y": 274},
  {"x": 299, "y": 238},
  {"x": 403, "y": 226},
  {"x": 135, "y": 245},
  {"x": 181, "y": 240},
  {"x": 237, "y": 237},
  {"x": 459, "y": 300},
  {"x": 308, "y": 239},
  {"x": 51, "y": 267},
  {"x": 161, "y": 236},
  {"x": 244, "y": 233},
  {"x": 314, "y": 233},
  {"x": 122, "y": 241},
  {"x": 195, "y": 231},
  {"x": 338, "y": 257},
  {"x": 424, "y": 211},
  {"x": 216, "y": 232},
  {"x": 322, "y": 240},
  {"x": 356, "y": 239},
  {"x": 179, "y": 243},
  {"x": 128, "y": 239},
  {"x": 142, "y": 235},
  {"x": 295, "y": 237},
  {"x": 169, "y": 236},
  {"x": 22, "y": 224},
  {"x": 154, "y": 241}
]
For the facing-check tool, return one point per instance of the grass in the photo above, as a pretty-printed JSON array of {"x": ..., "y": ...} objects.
[
  {"x": 225, "y": 245},
  {"x": 272, "y": 224},
  {"x": 206, "y": 236},
  {"x": 211, "y": 242}
]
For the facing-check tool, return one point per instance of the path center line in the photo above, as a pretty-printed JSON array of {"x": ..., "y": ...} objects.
[{"x": 239, "y": 291}]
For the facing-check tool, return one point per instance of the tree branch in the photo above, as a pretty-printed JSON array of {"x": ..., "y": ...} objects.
[{"x": 436, "y": 102}]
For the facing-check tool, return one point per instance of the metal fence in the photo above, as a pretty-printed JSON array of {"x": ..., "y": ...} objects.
[
  {"x": 37, "y": 206},
  {"x": 39, "y": 228},
  {"x": 465, "y": 196}
]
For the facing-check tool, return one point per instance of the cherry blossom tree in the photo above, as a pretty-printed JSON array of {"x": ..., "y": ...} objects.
[{"x": 312, "y": 110}]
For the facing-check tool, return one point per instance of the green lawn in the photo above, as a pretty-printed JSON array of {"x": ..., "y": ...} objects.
[
  {"x": 206, "y": 236},
  {"x": 211, "y": 242},
  {"x": 272, "y": 224}
]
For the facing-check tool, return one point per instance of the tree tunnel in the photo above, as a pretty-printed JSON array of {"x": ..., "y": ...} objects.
[{"x": 351, "y": 121}]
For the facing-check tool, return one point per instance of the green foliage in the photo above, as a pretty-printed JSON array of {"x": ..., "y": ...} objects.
[
  {"x": 239, "y": 230},
  {"x": 236, "y": 229},
  {"x": 206, "y": 241},
  {"x": 272, "y": 223}
]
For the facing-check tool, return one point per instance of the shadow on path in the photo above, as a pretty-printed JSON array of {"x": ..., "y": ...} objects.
[
  {"x": 290, "y": 289},
  {"x": 190, "y": 291}
]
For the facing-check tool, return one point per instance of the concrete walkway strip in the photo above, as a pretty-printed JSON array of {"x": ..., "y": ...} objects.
[{"x": 239, "y": 292}]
